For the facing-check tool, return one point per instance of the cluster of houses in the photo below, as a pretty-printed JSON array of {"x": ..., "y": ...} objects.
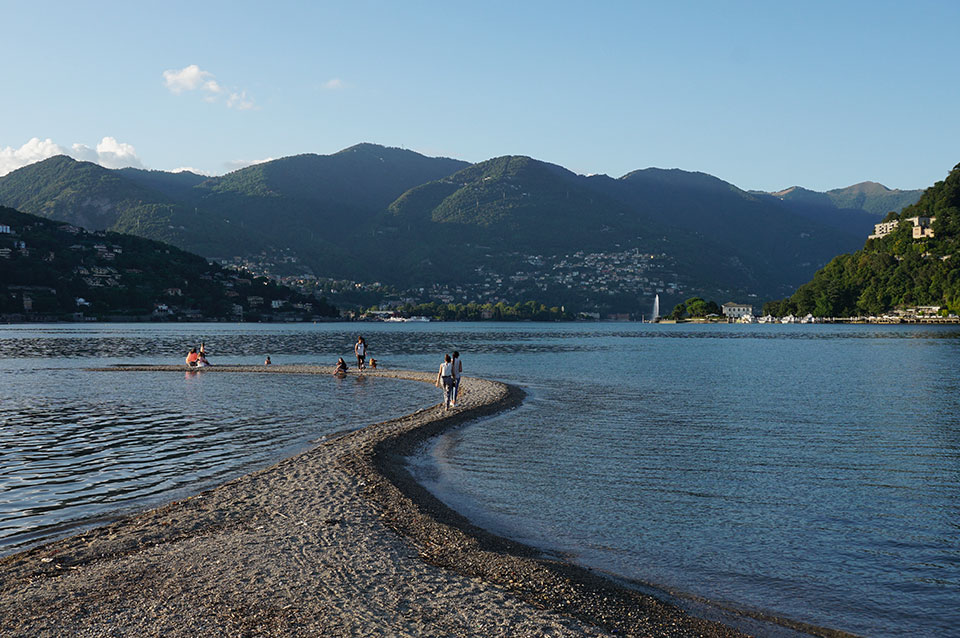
[
  {"x": 627, "y": 272},
  {"x": 922, "y": 227},
  {"x": 7, "y": 251}
]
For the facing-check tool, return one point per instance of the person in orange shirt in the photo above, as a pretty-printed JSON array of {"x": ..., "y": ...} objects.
[{"x": 192, "y": 357}]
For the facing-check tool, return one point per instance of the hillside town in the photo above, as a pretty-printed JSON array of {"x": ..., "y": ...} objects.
[{"x": 589, "y": 277}]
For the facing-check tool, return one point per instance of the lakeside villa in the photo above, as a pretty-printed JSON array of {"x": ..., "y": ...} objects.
[{"x": 733, "y": 310}]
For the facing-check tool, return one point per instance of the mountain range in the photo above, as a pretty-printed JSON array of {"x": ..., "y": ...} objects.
[
  {"x": 913, "y": 262},
  {"x": 867, "y": 196},
  {"x": 371, "y": 213}
]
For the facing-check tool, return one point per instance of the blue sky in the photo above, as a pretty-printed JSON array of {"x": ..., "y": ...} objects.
[{"x": 765, "y": 95}]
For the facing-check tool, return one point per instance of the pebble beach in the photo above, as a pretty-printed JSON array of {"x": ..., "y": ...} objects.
[{"x": 336, "y": 541}]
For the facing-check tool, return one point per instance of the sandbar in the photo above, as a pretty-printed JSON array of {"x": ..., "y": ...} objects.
[{"x": 338, "y": 540}]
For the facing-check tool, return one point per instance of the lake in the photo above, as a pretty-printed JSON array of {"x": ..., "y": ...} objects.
[{"x": 805, "y": 471}]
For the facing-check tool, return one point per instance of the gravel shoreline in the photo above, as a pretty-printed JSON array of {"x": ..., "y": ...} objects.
[{"x": 336, "y": 541}]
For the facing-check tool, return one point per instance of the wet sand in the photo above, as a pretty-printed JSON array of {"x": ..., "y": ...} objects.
[{"x": 336, "y": 541}]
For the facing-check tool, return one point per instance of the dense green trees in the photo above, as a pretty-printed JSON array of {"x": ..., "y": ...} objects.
[
  {"x": 891, "y": 271},
  {"x": 695, "y": 307},
  {"x": 46, "y": 266},
  {"x": 528, "y": 311}
]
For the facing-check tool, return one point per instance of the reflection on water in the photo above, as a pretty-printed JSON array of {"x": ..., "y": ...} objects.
[
  {"x": 807, "y": 471},
  {"x": 78, "y": 445},
  {"x": 814, "y": 476},
  {"x": 311, "y": 341}
]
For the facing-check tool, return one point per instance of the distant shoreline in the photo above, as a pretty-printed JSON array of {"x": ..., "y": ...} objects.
[{"x": 926, "y": 321}]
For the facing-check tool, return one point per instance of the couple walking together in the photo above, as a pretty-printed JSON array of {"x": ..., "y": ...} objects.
[{"x": 449, "y": 378}]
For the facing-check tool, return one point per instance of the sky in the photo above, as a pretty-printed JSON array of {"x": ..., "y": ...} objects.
[{"x": 765, "y": 95}]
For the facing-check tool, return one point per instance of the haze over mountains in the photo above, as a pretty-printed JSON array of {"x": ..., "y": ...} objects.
[{"x": 373, "y": 213}]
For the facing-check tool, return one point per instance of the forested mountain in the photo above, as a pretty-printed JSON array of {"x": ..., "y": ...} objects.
[
  {"x": 310, "y": 206},
  {"x": 95, "y": 198},
  {"x": 869, "y": 197},
  {"x": 174, "y": 185},
  {"x": 370, "y": 213},
  {"x": 722, "y": 236},
  {"x": 899, "y": 269},
  {"x": 52, "y": 269}
]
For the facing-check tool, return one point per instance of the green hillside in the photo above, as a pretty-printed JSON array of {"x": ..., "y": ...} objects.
[
  {"x": 720, "y": 236},
  {"x": 739, "y": 236},
  {"x": 80, "y": 193},
  {"x": 177, "y": 186},
  {"x": 52, "y": 270},
  {"x": 310, "y": 207},
  {"x": 364, "y": 177},
  {"x": 873, "y": 197},
  {"x": 525, "y": 203},
  {"x": 895, "y": 270},
  {"x": 376, "y": 214},
  {"x": 95, "y": 198}
]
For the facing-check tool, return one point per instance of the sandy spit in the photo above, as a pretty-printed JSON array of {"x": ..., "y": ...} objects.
[{"x": 336, "y": 541}]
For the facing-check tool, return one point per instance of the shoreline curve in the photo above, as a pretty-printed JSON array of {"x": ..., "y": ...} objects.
[{"x": 338, "y": 540}]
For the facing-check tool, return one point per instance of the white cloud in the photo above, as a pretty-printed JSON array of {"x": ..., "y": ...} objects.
[
  {"x": 240, "y": 101},
  {"x": 108, "y": 153},
  {"x": 193, "y": 78},
  {"x": 190, "y": 169},
  {"x": 236, "y": 165},
  {"x": 334, "y": 84},
  {"x": 190, "y": 78},
  {"x": 33, "y": 151}
]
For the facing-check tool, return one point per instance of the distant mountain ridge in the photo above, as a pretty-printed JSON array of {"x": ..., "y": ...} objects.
[
  {"x": 384, "y": 214},
  {"x": 902, "y": 268},
  {"x": 724, "y": 236},
  {"x": 871, "y": 197}
]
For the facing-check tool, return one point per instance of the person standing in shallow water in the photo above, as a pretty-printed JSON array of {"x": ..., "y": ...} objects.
[
  {"x": 445, "y": 380},
  {"x": 360, "y": 349},
  {"x": 457, "y": 371}
]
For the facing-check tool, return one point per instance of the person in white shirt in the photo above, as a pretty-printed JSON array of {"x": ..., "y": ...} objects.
[{"x": 445, "y": 379}]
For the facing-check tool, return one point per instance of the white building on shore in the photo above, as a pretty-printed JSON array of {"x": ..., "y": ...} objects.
[{"x": 733, "y": 310}]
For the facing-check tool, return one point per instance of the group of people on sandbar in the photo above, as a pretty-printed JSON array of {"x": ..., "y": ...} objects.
[
  {"x": 448, "y": 377},
  {"x": 197, "y": 357},
  {"x": 361, "y": 351}
]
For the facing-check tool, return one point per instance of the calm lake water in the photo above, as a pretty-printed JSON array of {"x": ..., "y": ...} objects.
[{"x": 810, "y": 472}]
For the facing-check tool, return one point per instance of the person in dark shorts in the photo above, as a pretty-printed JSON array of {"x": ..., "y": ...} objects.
[
  {"x": 457, "y": 371},
  {"x": 360, "y": 349}
]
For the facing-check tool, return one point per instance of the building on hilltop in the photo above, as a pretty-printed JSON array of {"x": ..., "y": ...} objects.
[
  {"x": 733, "y": 310},
  {"x": 883, "y": 229},
  {"x": 922, "y": 226}
]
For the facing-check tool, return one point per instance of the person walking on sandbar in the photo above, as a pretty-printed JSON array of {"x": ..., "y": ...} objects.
[
  {"x": 457, "y": 371},
  {"x": 445, "y": 379}
]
